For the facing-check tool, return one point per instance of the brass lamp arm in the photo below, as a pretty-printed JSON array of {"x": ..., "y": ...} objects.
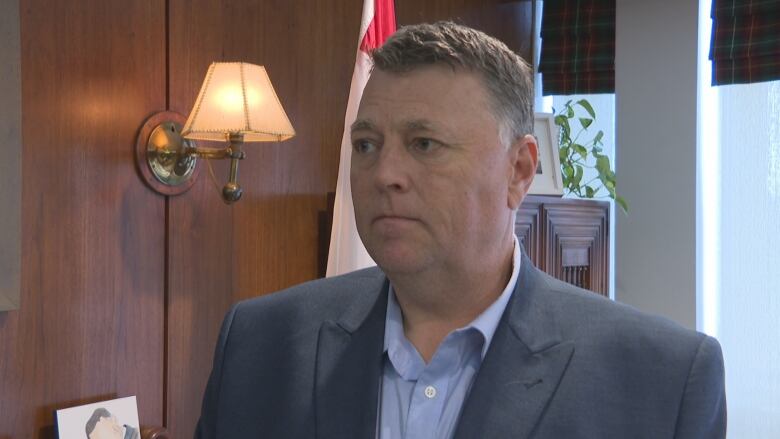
[
  {"x": 230, "y": 152},
  {"x": 232, "y": 191}
]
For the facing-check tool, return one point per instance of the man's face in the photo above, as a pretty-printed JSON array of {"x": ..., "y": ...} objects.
[
  {"x": 431, "y": 179},
  {"x": 107, "y": 428}
]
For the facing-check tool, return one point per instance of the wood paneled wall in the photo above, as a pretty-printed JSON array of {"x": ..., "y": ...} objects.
[
  {"x": 91, "y": 316},
  {"x": 123, "y": 290}
]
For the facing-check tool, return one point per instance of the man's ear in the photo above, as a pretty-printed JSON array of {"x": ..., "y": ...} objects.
[{"x": 523, "y": 159}]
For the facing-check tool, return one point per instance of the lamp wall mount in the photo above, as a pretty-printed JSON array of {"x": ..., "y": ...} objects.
[
  {"x": 168, "y": 163},
  {"x": 154, "y": 166}
]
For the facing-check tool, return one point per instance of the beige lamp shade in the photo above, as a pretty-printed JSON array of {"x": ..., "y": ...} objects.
[{"x": 237, "y": 99}]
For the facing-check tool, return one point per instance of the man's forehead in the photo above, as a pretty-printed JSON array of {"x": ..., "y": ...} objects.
[
  {"x": 431, "y": 98},
  {"x": 424, "y": 85}
]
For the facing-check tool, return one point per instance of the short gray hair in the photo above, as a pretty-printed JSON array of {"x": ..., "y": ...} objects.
[{"x": 506, "y": 75}]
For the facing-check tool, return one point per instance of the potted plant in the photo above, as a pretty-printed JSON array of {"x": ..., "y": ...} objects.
[{"x": 578, "y": 153}]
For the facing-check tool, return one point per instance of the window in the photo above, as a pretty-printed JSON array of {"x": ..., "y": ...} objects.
[{"x": 739, "y": 237}]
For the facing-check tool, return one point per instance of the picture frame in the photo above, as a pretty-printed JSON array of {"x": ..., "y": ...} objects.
[
  {"x": 112, "y": 419},
  {"x": 548, "y": 179},
  {"x": 10, "y": 158}
]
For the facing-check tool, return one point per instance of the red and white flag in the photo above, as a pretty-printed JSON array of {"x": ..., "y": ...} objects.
[{"x": 347, "y": 252}]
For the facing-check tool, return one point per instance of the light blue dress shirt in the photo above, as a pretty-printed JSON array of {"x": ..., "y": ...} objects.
[{"x": 423, "y": 401}]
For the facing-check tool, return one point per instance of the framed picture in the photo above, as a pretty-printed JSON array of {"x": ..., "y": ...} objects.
[
  {"x": 10, "y": 157},
  {"x": 548, "y": 179},
  {"x": 113, "y": 419}
]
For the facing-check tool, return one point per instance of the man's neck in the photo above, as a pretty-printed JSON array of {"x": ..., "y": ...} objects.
[{"x": 436, "y": 303}]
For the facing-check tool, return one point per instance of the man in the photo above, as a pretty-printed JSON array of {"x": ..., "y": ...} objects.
[{"x": 456, "y": 334}]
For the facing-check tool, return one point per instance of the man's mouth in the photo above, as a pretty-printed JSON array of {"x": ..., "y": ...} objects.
[{"x": 393, "y": 219}]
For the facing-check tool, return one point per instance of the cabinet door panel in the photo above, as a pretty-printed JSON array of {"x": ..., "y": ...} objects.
[{"x": 568, "y": 239}]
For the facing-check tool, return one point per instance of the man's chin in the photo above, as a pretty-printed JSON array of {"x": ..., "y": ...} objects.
[{"x": 401, "y": 262}]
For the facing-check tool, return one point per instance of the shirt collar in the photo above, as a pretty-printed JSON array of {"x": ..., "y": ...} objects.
[{"x": 486, "y": 323}]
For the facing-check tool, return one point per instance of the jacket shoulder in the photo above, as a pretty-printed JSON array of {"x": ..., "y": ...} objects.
[
  {"x": 596, "y": 320},
  {"x": 311, "y": 303}
]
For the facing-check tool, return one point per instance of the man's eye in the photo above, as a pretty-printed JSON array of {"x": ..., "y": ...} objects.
[
  {"x": 363, "y": 146},
  {"x": 425, "y": 145}
]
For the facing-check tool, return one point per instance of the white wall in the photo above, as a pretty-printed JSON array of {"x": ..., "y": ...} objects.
[{"x": 655, "y": 106}]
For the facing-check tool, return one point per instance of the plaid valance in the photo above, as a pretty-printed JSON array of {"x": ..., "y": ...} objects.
[
  {"x": 745, "y": 41},
  {"x": 578, "y": 47}
]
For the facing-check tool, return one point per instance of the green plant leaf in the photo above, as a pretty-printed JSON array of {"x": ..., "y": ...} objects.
[
  {"x": 568, "y": 171},
  {"x": 589, "y": 192},
  {"x": 602, "y": 165},
  {"x": 586, "y": 105},
  {"x": 578, "y": 175},
  {"x": 565, "y": 129},
  {"x": 599, "y": 136},
  {"x": 581, "y": 150},
  {"x": 622, "y": 203},
  {"x": 585, "y": 122},
  {"x": 569, "y": 112},
  {"x": 563, "y": 152}
]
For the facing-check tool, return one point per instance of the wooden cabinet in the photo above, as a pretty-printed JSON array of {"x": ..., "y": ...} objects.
[{"x": 568, "y": 239}]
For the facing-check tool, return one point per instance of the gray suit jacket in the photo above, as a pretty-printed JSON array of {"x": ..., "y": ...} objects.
[{"x": 563, "y": 363}]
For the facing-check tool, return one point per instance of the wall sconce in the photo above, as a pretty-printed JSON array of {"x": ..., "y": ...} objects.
[{"x": 236, "y": 104}]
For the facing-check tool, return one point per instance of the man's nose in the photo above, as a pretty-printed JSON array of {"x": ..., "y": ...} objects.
[{"x": 391, "y": 171}]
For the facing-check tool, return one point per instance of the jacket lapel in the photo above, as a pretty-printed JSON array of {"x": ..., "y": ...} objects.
[
  {"x": 523, "y": 366},
  {"x": 348, "y": 370}
]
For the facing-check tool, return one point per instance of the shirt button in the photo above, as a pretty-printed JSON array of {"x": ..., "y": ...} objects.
[{"x": 430, "y": 392}]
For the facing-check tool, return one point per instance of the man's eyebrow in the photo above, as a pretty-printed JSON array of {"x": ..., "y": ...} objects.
[
  {"x": 410, "y": 125},
  {"x": 362, "y": 125},
  {"x": 427, "y": 127}
]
